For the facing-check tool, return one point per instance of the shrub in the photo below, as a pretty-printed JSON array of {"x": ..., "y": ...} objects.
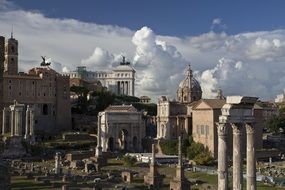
[
  {"x": 169, "y": 147},
  {"x": 204, "y": 158}
]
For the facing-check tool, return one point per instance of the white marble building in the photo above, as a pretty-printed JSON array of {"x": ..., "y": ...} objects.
[
  {"x": 121, "y": 80},
  {"x": 121, "y": 127}
]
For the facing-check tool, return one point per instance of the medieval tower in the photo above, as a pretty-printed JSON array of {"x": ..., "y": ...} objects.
[{"x": 11, "y": 56}]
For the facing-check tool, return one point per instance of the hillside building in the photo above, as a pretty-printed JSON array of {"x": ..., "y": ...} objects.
[{"x": 42, "y": 89}]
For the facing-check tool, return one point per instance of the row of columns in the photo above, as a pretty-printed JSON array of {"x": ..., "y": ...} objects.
[
  {"x": 13, "y": 118},
  {"x": 164, "y": 129},
  {"x": 125, "y": 87},
  {"x": 237, "y": 156}
]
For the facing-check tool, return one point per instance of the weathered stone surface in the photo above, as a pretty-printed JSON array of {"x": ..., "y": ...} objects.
[
  {"x": 14, "y": 148},
  {"x": 4, "y": 176}
]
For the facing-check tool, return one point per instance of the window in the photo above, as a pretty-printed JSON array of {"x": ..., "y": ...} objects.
[
  {"x": 12, "y": 49},
  {"x": 45, "y": 109},
  {"x": 207, "y": 130},
  {"x": 202, "y": 130}
]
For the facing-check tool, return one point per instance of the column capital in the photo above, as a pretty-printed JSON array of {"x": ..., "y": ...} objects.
[
  {"x": 236, "y": 128},
  {"x": 222, "y": 129},
  {"x": 250, "y": 129}
]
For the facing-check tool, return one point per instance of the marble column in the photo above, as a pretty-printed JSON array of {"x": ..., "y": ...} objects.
[
  {"x": 222, "y": 156},
  {"x": 123, "y": 87},
  {"x": 180, "y": 170},
  {"x": 98, "y": 151},
  {"x": 27, "y": 127},
  {"x": 153, "y": 161},
  {"x": 5, "y": 121},
  {"x": 250, "y": 158},
  {"x": 12, "y": 122},
  {"x": 186, "y": 127},
  {"x": 32, "y": 124},
  {"x": 119, "y": 87},
  {"x": 178, "y": 129},
  {"x": 18, "y": 121},
  {"x": 57, "y": 166},
  {"x": 237, "y": 157}
]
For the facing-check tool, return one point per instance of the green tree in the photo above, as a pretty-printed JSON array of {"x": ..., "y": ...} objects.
[
  {"x": 169, "y": 147},
  {"x": 204, "y": 158},
  {"x": 194, "y": 149},
  {"x": 275, "y": 123}
]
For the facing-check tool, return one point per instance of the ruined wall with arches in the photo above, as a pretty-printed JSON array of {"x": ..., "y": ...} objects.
[{"x": 121, "y": 131}]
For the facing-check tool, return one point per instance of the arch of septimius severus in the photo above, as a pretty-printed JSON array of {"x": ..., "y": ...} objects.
[{"x": 238, "y": 114}]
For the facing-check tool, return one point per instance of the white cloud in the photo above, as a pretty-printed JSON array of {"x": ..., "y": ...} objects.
[
  {"x": 100, "y": 59},
  {"x": 217, "y": 24},
  {"x": 159, "y": 65},
  {"x": 217, "y": 21},
  {"x": 246, "y": 63}
]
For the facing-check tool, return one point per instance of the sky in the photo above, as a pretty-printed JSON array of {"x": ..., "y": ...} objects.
[{"x": 238, "y": 46}]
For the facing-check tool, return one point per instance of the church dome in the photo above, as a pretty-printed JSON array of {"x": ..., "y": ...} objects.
[{"x": 189, "y": 88}]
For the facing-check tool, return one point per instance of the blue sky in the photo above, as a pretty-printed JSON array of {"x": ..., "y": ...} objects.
[
  {"x": 238, "y": 46},
  {"x": 178, "y": 18}
]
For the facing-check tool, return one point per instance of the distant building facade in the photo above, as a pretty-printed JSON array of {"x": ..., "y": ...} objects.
[
  {"x": 205, "y": 116},
  {"x": 42, "y": 89},
  {"x": 173, "y": 117},
  {"x": 122, "y": 128},
  {"x": 121, "y": 80},
  {"x": 280, "y": 98},
  {"x": 145, "y": 99}
]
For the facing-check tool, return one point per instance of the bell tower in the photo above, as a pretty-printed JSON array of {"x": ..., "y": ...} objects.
[{"x": 11, "y": 56}]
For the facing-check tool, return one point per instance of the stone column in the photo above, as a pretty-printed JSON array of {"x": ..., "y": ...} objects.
[
  {"x": 5, "y": 121},
  {"x": 18, "y": 120},
  {"x": 153, "y": 161},
  {"x": 123, "y": 87},
  {"x": 178, "y": 129},
  {"x": 186, "y": 127},
  {"x": 12, "y": 122},
  {"x": 32, "y": 124},
  {"x": 237, "y": 157},
  {"x": 128, "y": 88},
  {"x": 57, "y": 166},
  {"x": 250, "y": 158},
  {"x": 119, "y": 87},
  {"x": 27, "y": 127},
  {"x": 180, "y": 170},
  {"x": 98, "y": 151},
  {"x": 222, "y": 156}
]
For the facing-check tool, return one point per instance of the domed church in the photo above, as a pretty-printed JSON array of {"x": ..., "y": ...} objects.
[
  {"x": 189, "y": 89},
  {"x": 174, "y": 117}
]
